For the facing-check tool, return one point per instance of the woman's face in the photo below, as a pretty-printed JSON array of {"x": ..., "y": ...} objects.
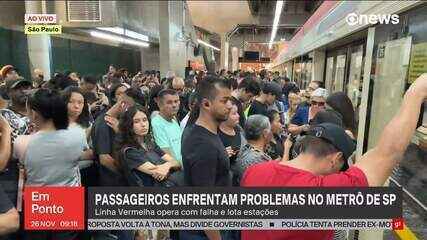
[
  {"x": 140, "y": 124},
  {"x": 75, "y": 104},
  {"x": 276, "y": 126},
  {"x": 233, "y": 117},
  {"x": 317, "y": 103},
  {"x": 294, "y": 100}
]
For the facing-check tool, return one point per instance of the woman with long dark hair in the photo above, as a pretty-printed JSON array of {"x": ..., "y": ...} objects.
[
  {"x": 340, "y": 102},
  {"x": 275, "y": 148},
  {"x": 78, "y": 117},
  {"x": 141, "y": 161},
  {"x": 77, "y": 107}
]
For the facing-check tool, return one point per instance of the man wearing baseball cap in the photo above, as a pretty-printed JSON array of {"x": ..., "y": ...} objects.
[
  {"x": 322, "y": 160},
  {"x": 8, "y": 72}
]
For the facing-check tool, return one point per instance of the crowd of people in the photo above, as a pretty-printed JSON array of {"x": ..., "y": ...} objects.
[{"x": 210, "y": 129}]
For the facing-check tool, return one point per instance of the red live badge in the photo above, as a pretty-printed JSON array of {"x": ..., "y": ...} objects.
[
  {"x": 54, "y": 208},
  {"x": 398, "y": 224}
]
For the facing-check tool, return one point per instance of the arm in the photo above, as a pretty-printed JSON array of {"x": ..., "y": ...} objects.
[
  {"x": 87, "y": 155},
  {"x": 295, "y": 129},
  {"x": 395, "y": 137},
  {"x": 9, "y": 222},
  {"x": 147, "y": 168},
  {"x": 174, "y": 164},
  {"x": 287, "y": 145},
  {"x": 5, "y": 142},
  {"x": 161, "y": 171},
  {"x": 107, "y": 161}
]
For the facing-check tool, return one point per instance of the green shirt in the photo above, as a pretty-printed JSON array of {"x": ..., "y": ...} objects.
[{"x": 167, "y": 135}]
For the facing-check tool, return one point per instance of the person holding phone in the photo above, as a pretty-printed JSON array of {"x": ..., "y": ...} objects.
[
  {"x": 275, "y": 148},
  {"x": 231, "y": 134}
]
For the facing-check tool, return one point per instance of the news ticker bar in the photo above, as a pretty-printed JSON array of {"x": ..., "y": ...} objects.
[{"x": 243, "y": 224}]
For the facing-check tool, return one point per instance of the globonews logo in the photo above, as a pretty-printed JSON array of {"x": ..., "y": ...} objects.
[{"x": 363, "y": 19}]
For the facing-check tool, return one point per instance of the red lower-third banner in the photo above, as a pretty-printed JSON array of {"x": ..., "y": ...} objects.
[{"x": 54, "y": 208}]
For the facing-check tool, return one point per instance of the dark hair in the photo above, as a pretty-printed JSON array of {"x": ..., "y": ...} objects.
[
  {"x": 136, "y": 95},
  {"x": 49, "y": 104},
  {"x": 60, "y": 82},
  {"x": 340, "y": 102},
  {"x": 192, "y": 98},
  {"x": 271, "y": 114},
  {"x": 83, "y": 119},
  {"x": 250, "y": 85},
  {"x": 327, "y": 116},
  {"x": 128, "y": 137},
  {"x": 90, "y": 79},
  {"x": 205, "y": 89},
  {"x": 208, "y": 87},
  {"x": 112, "y": 92},
  {"x": 167, "y": 91},
  {"x": 90, "y": 97},
  {"x": 154, "y": 93},
  {"x": 316, "y": 146},
  {"x": 233, "y": 83}
]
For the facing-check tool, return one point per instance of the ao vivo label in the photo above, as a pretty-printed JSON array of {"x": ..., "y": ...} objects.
[
  {"x": 54, "y": 208},
  {"x": 40, "y": 18}
]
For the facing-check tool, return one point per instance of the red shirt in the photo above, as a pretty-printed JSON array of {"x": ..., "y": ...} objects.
[{"x": 273, "y": 174}]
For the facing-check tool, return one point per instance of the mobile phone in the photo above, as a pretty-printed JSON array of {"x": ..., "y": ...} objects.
[{"x": 235, "y": 149}]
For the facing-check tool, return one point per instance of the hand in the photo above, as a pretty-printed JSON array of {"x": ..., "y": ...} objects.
[
  {"x": 230, "y": 151},
  {"x": 112, "y": 123},
  {"x": 161, "y": 171},
  {"x": 287, "y": 144},
  {"x": 103, "y": 99},
  {"x": 419, "y": 87},
  {"x": 305, "y": 127}
]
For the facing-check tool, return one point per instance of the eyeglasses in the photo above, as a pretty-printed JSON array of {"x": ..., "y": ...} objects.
[{"x": 315, "y": 103}]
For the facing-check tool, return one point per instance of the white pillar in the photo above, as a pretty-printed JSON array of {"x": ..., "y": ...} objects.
[
  {"x": 172, "y": 50},
  {"x": 39, "y": 46},
  {"x": 235, "y": 58},
  {"x": 224, "y": 52}
]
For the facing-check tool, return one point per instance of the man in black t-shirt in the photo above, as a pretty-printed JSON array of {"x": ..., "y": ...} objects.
[
  {"x": 9, "y": 217},
  {"x": 246, "y": 90},
  {"x": 208, "y": 164},
  {"x": 271, "y": 92},
  {"x": 103, "y": 134}
]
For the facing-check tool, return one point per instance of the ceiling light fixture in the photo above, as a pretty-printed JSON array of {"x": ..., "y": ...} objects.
[
  {"x": 125, "y": 32},
  {"x": 277, "y": 13},
  {"x": 118, "y": 39},
  {"x": 207, "y": 44}
]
